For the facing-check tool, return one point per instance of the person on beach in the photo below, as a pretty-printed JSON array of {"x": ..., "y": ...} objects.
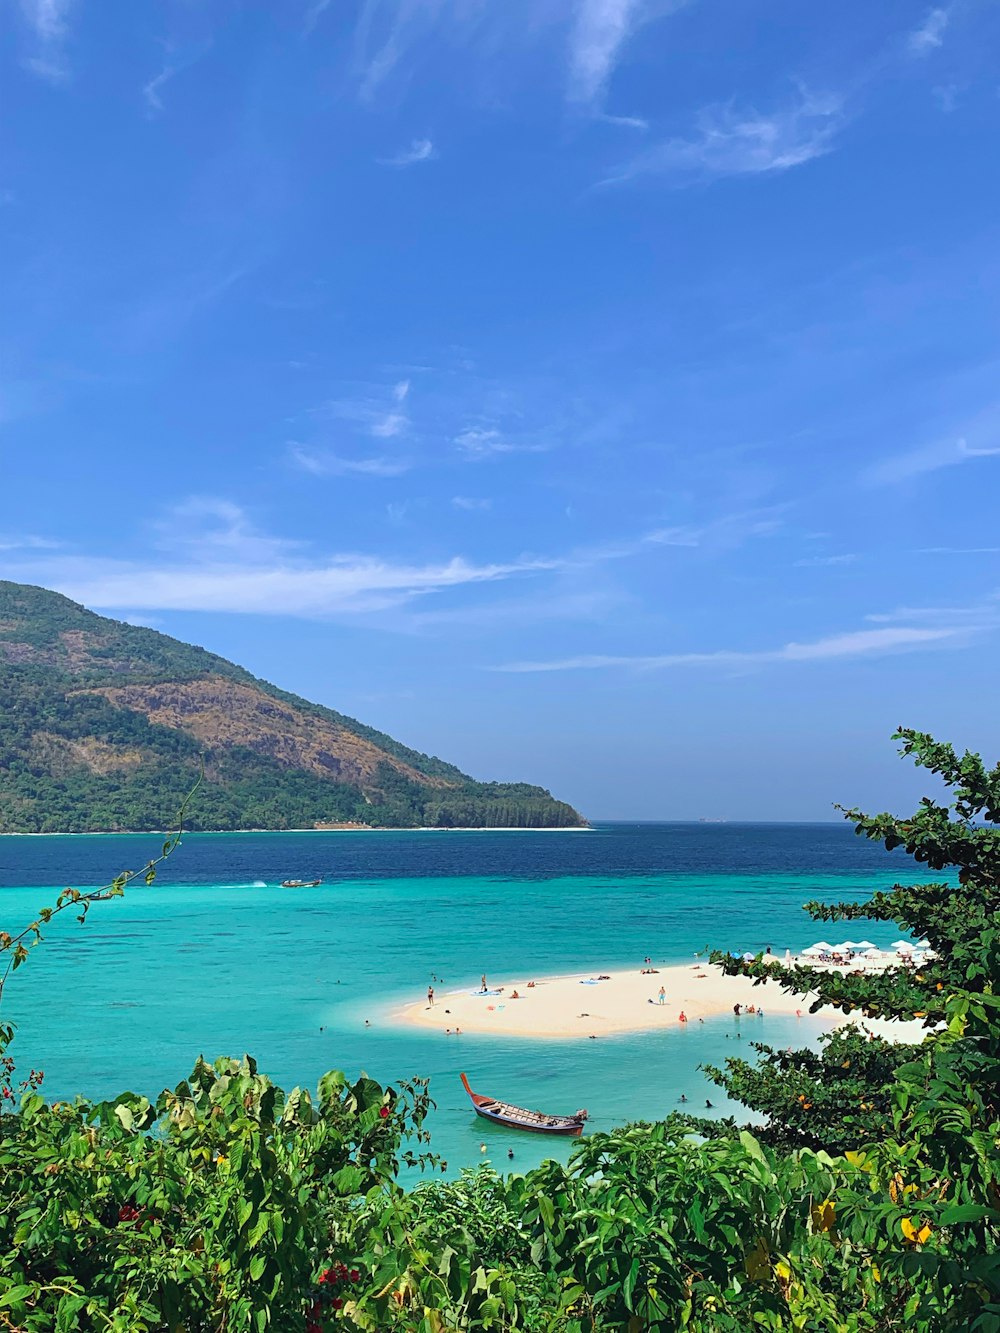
[
  {"x": 682, "y": 1017},
  {"x": 736, "y": 1010},
  {"x": 482, "y": 986},
  {"x": 514, "y": 995},
  {"x": 430, "y": 994},
  {"x": 662, "y": 995}
]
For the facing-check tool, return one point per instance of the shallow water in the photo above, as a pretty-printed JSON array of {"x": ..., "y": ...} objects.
[{"x": 216, "y": 958}]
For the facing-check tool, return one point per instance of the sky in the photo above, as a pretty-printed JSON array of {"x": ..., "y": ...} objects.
[{"x": 598, "y": 393}]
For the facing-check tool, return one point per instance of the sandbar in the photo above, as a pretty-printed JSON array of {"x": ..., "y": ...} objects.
[{"x": 582, "y": 1006}]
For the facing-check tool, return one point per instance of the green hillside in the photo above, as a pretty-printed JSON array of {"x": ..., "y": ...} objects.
[{"x": 104, "y": 726}]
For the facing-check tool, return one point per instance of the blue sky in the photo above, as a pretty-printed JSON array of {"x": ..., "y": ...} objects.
[{"x": 602, "y": 393}]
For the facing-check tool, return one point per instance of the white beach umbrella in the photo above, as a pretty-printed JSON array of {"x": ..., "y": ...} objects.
[
  {"x": 864, "y": 946},
  {"x": 815, "y": 950},
  {"x": 903, "y": 946},
  {"x": 923, "y": 944},
  {"x": 823, "y": 947}
]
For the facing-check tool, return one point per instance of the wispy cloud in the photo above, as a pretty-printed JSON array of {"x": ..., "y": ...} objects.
[
  {"x": 12, "y": 542},
  {"x": 175, "y": 61},
  {"x": 48, "y": 21},
  {"x": 600, "y": 31},
  {"x": 847, "y": 558},
  {"x": 210, "y": 528},
  {"x": 725, "y": 532},
  {"x": 339, "y": 584},
  {"x": 379, "y": 413},
  {"x": 420, "y": 150},
  {"x": 972, "y": 617},
  {"x": 484, "y": 442},
  {"x": 313, "y": 14},
  {"x": 930, "y": 34},
  {"x": 855, "y": 643},
  {"x": 151, "y": 90},
  {"x": 729, "y": 141},
  {"x": 927, "y": 458},
  {"x": 324, "y": 463},
  {"x": 470, "y": 503},
  {"x": 946, "y": 96},
  {"x": 627, "y": 122},
  {"x": 958, "y": 550}
]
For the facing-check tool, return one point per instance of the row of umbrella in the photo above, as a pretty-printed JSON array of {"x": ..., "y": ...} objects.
[{"x": 863, "y": 946}]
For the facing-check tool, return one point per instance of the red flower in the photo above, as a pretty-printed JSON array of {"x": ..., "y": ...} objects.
[
  {"x": 337, "y": 1302},
  {"x": 384, "y": 1112},
  {"x": 355, "y": 1275},
  {"x": 313, "y": 1327},
  {"x": 327, "y": 1275}
]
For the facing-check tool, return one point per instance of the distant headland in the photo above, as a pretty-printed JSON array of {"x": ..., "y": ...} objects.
[{"x": 106, "y": 726}]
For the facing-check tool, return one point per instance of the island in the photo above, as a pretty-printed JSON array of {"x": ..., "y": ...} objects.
[{"x": 106, "y": 726}]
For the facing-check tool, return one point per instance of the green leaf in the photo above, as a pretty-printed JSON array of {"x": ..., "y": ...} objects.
[
  {"x": 965, "y": 1212},
  {"x": 16, "y": 1295}
]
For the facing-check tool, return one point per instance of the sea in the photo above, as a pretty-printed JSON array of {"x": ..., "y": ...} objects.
[{"x": 216, "y": 958}]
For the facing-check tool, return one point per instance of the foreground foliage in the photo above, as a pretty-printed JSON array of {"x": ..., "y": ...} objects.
[{"x": 869, "y": 1201}]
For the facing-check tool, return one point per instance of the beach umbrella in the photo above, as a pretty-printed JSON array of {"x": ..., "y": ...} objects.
[
  {"x": 923, "y": 944},
  {"x": 816, "y": 949},
  {"x": 848, "y": 946},
  {"x": 823, "y": 947},
  {"x": 749, "y": 957},
  {"x": 903, "y": 946},
  {"x": 864, "y": 946}
]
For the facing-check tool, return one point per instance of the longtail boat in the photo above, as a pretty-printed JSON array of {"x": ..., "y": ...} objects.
[
  {"x": 300, "y": 883},
  {"x": 516, "y": 1117}
]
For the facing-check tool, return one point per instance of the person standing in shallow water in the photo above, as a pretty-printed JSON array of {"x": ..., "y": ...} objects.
[{"x": 482, "y": 984}]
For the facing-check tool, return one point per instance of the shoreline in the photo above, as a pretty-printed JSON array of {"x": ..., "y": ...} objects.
[
  {"x": 582, "y": 1006},
  {"x": 220, "y": 832}
]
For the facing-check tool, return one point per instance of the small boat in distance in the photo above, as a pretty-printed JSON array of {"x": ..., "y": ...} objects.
[
  {"x": 516, "y": 1117},
  {"x": 300, "y": 883}
]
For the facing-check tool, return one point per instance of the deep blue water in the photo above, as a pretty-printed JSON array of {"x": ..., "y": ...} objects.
[{"x": 216, "y": 958}]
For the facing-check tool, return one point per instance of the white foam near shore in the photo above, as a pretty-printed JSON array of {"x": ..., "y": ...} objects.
[{"x": 600, "y": 1004}]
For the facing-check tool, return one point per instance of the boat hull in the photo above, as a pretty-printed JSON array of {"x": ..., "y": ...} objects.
[{"x": 516, "y": 1117}]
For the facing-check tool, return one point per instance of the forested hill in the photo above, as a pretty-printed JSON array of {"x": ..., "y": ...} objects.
[{"x": 105, "y": 726}]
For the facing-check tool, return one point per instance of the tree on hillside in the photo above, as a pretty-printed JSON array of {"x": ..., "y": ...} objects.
[{"x": 841, "y": 1095}]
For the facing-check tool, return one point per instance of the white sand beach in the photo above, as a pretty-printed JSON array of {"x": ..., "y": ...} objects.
[{"x": 584, "y": 1006}]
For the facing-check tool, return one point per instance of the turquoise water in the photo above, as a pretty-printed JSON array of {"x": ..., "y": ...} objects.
[{"x": 216, "y": 958}]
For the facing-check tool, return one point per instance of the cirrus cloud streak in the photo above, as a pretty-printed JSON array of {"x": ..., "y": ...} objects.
[
  {"x": 343, "y": 584},
  {"x": 854, "y": 643}
]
